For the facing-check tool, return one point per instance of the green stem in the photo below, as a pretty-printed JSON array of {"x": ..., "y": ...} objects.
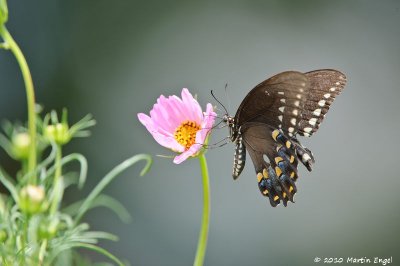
[
  {"x": 30, "y": 95},
  {"x": 58, "y": 163},
  {"x": 57, "y": 187},
  {"x": 202, "y": 243}
]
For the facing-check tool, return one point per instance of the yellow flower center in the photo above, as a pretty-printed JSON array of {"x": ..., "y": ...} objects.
[{"x": 185, "y": 134}]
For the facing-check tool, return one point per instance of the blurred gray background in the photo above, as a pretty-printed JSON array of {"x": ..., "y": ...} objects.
[{"x": 114, "y": 58}]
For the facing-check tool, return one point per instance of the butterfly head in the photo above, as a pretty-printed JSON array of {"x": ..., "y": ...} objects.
[{"x": 230, "y": 122}]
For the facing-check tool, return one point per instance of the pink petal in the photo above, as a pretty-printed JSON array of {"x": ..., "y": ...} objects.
[
  {"x": 180, "y": 110},
  {"x": 206, "y": 125},
  {"x": 162, "y": 139},
  {"x": 186, "y": 154},
  {"x": 168, "y": 142},
  {"x": 168, "y": 113},
  {"x": 192, "y": 106},
  {"x": 161, "y": 115},
  {"x": 201, "y": 135}
]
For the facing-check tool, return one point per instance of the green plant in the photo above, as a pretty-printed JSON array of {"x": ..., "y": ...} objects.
[{"x": 35, "y": 227}]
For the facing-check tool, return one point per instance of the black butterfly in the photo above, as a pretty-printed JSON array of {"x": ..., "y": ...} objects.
[{"x": 269, "y": 119}]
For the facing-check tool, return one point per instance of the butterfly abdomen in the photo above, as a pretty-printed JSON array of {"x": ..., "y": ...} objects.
[{"x": 239, "y": 158}]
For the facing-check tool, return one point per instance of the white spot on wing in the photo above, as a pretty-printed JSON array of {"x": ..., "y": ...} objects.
[
  {"x": 291, "y": 129},
  {"x": 317, "y": 112},
  {"x": 297, "y": 103},
  {"x": 307, "y": 129},
  {"x": 295, "y": 112},
  {"x": 305, "y": 157},
  {"x": 326, "y": 96},
  {"x": 298, "y": 96},
  {"x": 321, "y": 103},
  {"x": 313, "y": 121},
  {"x": 283, "y": 100},
  {"x": 293, "y": 121},
  {"x": 280, "y": 118},
  {"x": 281, "y": 108},
  {"x": 332, "y": 89},
  {"x": 281, "y": 92}
]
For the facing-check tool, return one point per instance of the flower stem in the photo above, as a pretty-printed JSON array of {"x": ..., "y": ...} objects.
[
  {"x": 57, "y": 183},
  {"x": 30, "y": 95},
  {"x": 202, "y": 243}
]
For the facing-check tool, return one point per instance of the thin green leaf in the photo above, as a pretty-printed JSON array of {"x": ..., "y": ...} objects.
[
  {"x": 91, "y": 247},
  {"x": 5, "y": 143},
  {"x": 70, "y": 179},
  {"x": 54, "y": 117},
  {"x": 67, "y": 219},
  {"x": 82, "y": 124},
  {"x": 41, "y": 166},
  {"x": 9, "y": 185},
  {"x": 109, "y": 177},
  {"x": 74, "y": 157},
  {"x": 102, "y": 200},
  {"x": 100, "y": 235},
  {"x": 49, "y": 158},
  {"x": 102, "y": 264},
  {"x": 82, "y": 134},
  {"x": 64, "y": 118},
  {"x": 8, "y": 127}
]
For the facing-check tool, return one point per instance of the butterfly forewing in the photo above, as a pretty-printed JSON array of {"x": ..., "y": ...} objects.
[
  {"x": 277, "y": 101},
  {"x": 325, "y": 86}
]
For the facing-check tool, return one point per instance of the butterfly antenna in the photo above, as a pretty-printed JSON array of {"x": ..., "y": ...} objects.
[
  {"x": 227, "y": 97},
  {"x": 212, "y": 93}
]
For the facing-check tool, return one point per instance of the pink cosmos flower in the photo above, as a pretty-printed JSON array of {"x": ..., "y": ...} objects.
[{"x": 179, "y": 124}]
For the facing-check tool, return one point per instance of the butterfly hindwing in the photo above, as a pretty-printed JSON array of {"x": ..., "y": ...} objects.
[{"x": 277, "y": 176}]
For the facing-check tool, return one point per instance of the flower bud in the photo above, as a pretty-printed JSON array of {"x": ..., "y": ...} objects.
[
  {"x": 48, "y": 229},
  {"x": 59, "y": 133},
  {"x": 21, "y": 143},
  {"x": 32, "y": 199},
  {"x": 3, "y": 235}
]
